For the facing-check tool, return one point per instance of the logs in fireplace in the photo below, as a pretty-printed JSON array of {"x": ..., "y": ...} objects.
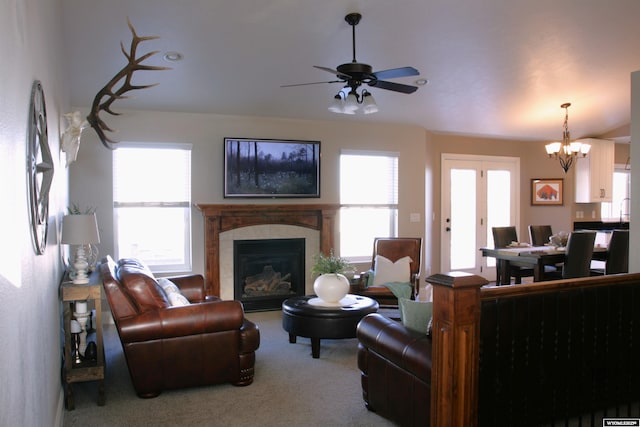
[{"x": 268, "y": 271}]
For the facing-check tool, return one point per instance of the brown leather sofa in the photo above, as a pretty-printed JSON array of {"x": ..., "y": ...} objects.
[
  {"x": 560, "y": 352},
  {"x": 395, "y": 366},
  {"x": 208, "y": 341}
]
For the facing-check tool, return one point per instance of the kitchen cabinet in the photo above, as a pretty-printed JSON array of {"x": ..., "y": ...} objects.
[{"x": 594, "y": 173}]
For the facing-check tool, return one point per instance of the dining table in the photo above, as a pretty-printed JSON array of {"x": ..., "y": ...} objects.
[{"x": 534, "y": 257}]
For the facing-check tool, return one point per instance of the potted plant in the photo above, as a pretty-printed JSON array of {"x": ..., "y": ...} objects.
[{"x": 331, "y": 285}]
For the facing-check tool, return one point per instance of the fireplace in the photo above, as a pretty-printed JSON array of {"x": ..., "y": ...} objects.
[
  {"x": 229, "y": 217},
  {"x": 268, "y": 271}
]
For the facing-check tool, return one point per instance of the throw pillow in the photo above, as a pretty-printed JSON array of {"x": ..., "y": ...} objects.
[
  {"x": 387, "y": 271},
  {"x": 415, "y": 315},
  {"x": 400, "y": 290},
  {"x": 175, "y": 297},
  {"x": 167, "y": 285}
]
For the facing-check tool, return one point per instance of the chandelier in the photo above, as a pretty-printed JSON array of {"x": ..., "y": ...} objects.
[
  {"x": 353, "y": 102},
  {"x": 566, "y": 151}
]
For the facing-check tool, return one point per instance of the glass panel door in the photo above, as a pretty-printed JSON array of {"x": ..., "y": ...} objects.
[
  {"x": 478, "y": 193},
  {"x": 463, "y": 218}
]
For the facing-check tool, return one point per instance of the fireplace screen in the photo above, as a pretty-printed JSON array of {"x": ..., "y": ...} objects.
[{"x": 268, "y": 271}]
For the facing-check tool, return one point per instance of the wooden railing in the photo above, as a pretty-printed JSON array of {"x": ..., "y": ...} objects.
[{"x": 552, "y": 353}]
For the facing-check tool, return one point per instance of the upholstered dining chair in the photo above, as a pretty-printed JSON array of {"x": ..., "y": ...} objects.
[
  {"x": 396, "y": 262},
  {"x": 577, "y": 261},
  {"x": 617, "y": 255},
  {"x": 539, "y": 234},
  {"x": 503, "y": 237}
]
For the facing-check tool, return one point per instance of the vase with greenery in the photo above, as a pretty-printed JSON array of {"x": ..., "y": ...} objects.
[{"x": 331, "y": 285}]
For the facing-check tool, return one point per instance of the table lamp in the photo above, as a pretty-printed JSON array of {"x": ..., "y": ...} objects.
[{"x": 82, "y": 231}]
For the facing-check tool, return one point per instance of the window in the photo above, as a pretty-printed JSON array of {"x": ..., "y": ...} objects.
[
  {"x": 618, "y": 208},
  {"x": 369, "y": 199},
  {"x": 152, "y": 204}
]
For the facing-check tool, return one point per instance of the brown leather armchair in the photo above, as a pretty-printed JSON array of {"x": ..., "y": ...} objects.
[
  {"x": 393, "y": 248},
  {"x": 166, "y": 347}
]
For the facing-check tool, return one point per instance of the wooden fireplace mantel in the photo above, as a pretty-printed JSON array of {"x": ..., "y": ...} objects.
[{"x": 221, "y": 218}]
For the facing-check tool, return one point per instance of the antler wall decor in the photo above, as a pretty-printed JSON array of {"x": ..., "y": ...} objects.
[{"x": 112, "y": 94}]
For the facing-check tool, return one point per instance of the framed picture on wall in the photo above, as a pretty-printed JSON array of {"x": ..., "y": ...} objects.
[
  {"x": 271, "y": 168},
  {"x": 547, "y": 191}
]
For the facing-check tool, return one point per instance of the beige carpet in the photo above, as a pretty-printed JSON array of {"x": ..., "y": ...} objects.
[{"x": 290, "y": 389}]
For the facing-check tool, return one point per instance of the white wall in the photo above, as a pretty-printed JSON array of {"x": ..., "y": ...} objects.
[
  {"x": 31, "y": 48},
  {"x": 634, "y": 245},
  {"x": 90, "y": 177}
]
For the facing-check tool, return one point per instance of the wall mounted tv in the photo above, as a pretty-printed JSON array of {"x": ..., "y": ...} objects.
[{"x": 271, "y": 168}]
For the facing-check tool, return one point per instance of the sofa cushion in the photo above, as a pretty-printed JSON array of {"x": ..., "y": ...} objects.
[
  {"x": 416, "y": 315},
  {"x": 387, "y": 271},
  {"x": 141, "y": 286}
]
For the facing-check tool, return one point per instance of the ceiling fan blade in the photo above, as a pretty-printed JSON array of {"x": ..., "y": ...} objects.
[
  {"x": 332, "y": 71},
  {"x": 312, "y": 83},
  {"x": 396, "y": 72},
  {"x": 396, "y": 87}
]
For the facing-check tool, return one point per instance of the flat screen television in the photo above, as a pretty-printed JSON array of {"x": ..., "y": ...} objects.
[{"x": 271, "y": 168}]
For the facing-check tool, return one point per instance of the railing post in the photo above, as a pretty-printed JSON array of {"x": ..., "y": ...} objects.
[{"x": 455, "y": 349}]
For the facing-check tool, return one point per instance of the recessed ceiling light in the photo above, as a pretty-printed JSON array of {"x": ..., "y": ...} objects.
[
  {"x": 173, "y": 56},
  {"x": 421, "y": 82}
]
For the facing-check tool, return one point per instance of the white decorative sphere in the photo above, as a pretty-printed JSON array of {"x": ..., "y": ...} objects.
[{"x": 331, "y": 287}]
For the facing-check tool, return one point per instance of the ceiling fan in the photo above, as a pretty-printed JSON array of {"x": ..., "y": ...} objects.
[{"x": 354, "y": 74}]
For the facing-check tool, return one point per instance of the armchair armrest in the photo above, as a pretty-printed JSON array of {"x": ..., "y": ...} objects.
[
  {"x": 249, "y": 336},
  {"x": 405, "y": 348},
  {"x": 192, "y": 287},
  {"x": 205, "y": 317},
  {"x": 364, "y": 279}
]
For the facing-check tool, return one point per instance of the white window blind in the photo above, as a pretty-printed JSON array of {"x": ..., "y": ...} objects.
[
  {"x": 152, "y": 204},
  {"x": 369, "y": 201}
]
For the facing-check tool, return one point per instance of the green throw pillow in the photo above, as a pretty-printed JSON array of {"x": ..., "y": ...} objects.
[{"x": 415, "y": 315}]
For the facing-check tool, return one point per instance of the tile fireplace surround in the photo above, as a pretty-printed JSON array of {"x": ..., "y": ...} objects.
[{"x": 227, "y": 222}]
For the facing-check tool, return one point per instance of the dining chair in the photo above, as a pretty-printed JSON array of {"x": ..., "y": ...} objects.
[
  {"x": 539, "y": 234},
  {"x": 503, "y": 237},
  {"x": 577, "y": 261},
  {"x": 617, "y": 260}
]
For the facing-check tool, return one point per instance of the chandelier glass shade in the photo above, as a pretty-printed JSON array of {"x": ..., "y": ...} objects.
[
  {"x": 353, "y": 103},
  {"x": 566, "y": 152}
]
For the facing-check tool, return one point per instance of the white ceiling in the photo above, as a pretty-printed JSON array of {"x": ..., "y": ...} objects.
[{"x": 496, "y": 68}]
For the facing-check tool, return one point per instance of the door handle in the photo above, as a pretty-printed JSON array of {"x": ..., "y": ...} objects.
[{"x": 447, "y": 229}]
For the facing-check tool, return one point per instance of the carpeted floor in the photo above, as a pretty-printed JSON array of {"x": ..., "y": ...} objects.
[{"x": 290, "y": 389}]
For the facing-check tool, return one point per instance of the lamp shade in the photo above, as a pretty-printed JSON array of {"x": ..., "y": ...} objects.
[
  {"x": 336, "y": 105},
  {"x": 80, "y": 229},
  {"x": 369, "y": 105}
]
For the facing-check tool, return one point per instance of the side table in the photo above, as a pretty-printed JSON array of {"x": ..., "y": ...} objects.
[{"x": 85, "y": 370}]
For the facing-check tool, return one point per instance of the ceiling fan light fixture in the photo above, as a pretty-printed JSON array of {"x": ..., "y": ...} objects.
[
  {"x": 355, "y": 74},
  {"x": 353, "y": 102}
]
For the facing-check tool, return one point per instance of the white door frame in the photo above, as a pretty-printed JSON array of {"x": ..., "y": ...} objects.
[{"x": 482, "y": 162}]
